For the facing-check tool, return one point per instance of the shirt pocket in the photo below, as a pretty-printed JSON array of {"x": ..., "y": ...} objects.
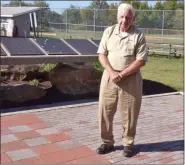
[{"x": 128, "y": 49}]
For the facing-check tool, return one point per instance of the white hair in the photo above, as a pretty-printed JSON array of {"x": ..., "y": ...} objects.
[{"x": 125, "y": 7}]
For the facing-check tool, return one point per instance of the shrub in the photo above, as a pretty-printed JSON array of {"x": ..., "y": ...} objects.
[
  {"x": 34, "y": 82},
  {"x": 48, "y": 67},
  {"x": 98, "y": 66}
]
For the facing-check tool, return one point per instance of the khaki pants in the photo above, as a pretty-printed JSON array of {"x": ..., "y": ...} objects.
[{"x": 129, "y": 94}]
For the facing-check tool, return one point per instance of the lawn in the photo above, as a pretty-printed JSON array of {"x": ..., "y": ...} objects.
[
  {"x": 78, "y": 34},
  {"x": 166, "y": 71}
]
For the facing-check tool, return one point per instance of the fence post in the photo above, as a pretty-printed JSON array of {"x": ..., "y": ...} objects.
[
  {"x": 66, "y": 22},
  {"x": 163, "y": 29},
  {"x": 94, "y": 23}
]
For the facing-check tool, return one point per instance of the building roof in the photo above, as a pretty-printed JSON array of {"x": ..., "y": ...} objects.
[{"x": 16, "y": 11}]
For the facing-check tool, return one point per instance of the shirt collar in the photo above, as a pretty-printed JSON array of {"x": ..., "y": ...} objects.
[{"x": 116, "y": 31}]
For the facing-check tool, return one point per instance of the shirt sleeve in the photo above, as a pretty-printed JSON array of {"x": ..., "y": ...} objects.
[
  {"x": 141, "y": 49},
  {"x": 103, "y": 43}
]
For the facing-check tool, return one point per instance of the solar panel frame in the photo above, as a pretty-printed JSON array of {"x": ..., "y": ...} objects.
[
  {"x": 53, "y": 46},
  {"x": 97, "y": 42},
  {"x": 83, "y": 46},
  {"x": 20, "y": 46},
  {"x": 2, "y": 53}
]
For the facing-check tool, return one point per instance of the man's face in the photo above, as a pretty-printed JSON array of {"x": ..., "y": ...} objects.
[{"x": 125, "y": 19}]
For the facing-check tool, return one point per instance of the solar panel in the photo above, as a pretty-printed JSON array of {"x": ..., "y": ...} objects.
[
  {"x": 97, "y": 42},
  {"x": 54, "y": 46},
  {"x": 83, "y": 46},
  {"x": 2, "y": 53},
  {"x": 20, "y": 46}
]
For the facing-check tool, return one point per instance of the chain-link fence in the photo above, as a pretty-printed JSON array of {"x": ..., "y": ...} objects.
[{"x": 161, "y": 27}]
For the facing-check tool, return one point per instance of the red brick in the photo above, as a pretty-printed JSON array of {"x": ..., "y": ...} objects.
[
  {"x": 46, "y": 149},
  {"x": 57, "y": 137},
  {"x": 94, "y": 159},
  {"x": 166, "y": 160},
  {"x": 83, "y": 122},
  {"x": 4, "y": 131},
  {"x": 141, "y": 113},
  {"x": 21, "y": 119},
  {"x": 95, "y": 127},
  {"x": 58, "y": 157},
  {"x": 82, "y": 151},
  {"x": 11, "y": 146},
  {"x": 34, "y": 160},
  {"x": 36, "y": 126},
  {"x": 5, "y": 159},
  {"x": 26, "y": 135},
  {"x": 67, "y": 130},
  {"x": 68, "y": 155},
  {"x": 179, "y": 110},
  {"x": 142, "y": 157}
]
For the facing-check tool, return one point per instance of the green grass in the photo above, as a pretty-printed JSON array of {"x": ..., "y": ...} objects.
[
  {"x": 165, "y": 71},
  {"x": 79, "y": 34}
]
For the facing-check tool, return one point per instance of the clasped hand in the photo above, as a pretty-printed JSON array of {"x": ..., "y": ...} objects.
[{"x": 116, "y": 76}]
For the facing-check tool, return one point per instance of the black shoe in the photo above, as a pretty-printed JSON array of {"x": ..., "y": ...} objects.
[
  {"x": 105, "y": 148},
  {"x": 127, "y": 151}
]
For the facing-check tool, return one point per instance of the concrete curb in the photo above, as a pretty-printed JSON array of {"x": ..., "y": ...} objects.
[{"x": 56, "y": 107}]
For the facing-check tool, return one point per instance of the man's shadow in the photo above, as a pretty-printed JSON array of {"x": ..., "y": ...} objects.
[{"x": 168, "y": 146}]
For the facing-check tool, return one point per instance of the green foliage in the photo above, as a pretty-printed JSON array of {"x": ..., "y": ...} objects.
[
  {"x": 41, "y": 3},
  {"x": 73, "y": 14},
  {"x": 112, "y": 15},
  {"x": 106, "y": 17},
  {"x": 48, "y": 67},
  {"x": 99, "y": 4},
  {"x": 158, "y": 6},
  {"x": 34, "y": 82},
  {"x": 18, "y": 3},
  {"x": 98, "y": 66},
  {"x": 86, "y": 14}
]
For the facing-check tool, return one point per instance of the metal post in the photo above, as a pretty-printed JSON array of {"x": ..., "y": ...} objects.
[
  {"x": 163, "y": 28},
  {"x": 41, "y": 21},
  {"x": 94, "y": 23},
  {"x": 66, "y": 23},
  {"x": 19, "y": 3}
]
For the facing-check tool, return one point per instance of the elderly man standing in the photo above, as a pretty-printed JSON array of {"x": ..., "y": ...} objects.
[{"x": 122, "y": 52}]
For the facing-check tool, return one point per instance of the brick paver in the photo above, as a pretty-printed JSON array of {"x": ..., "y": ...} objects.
[{"x": 71, "y": 135}]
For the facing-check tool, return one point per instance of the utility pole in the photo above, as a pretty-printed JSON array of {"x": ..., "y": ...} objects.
[{"x": 19, "y": 3}]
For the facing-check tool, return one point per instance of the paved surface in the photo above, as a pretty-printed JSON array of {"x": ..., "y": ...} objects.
[{"x": 71, "y": 135}]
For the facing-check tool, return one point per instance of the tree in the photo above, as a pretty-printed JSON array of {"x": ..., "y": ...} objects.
[
  {"x": 101, "y": 16},
  {"x": 180, "y": 5},
  {"x": 19, "y": 3},
  {"x": 158, "y": 6},
  {"x": 73, "y": 15},
  {"x": 170, "y": 5},
  {"x": 126, "y": 1},
  {"x": 178, "y": 20},
  {"x": 136, "y": 4},
  {"x": 44, "y": 14},
  {"x": 112, "y": 16},
  {"x": 99, "y": 4},
  {"x": 41, "y": 3},
  {"x": 143, "y": 6}
]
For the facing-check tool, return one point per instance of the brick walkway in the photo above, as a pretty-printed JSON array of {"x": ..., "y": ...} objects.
[{"x": 71, "y": 135}]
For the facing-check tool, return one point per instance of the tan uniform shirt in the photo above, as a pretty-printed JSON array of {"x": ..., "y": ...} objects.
[{"x": 122, "y": 48}]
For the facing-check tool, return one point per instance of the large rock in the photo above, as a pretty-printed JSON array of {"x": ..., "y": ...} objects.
[
  {"x": 75, "y": 80},
  {"x": 21, "y": 72},
  {"x": 20, "y": 93}
]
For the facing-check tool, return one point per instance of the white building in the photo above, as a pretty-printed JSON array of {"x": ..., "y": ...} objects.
[{"x": 16, "y": 21}]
